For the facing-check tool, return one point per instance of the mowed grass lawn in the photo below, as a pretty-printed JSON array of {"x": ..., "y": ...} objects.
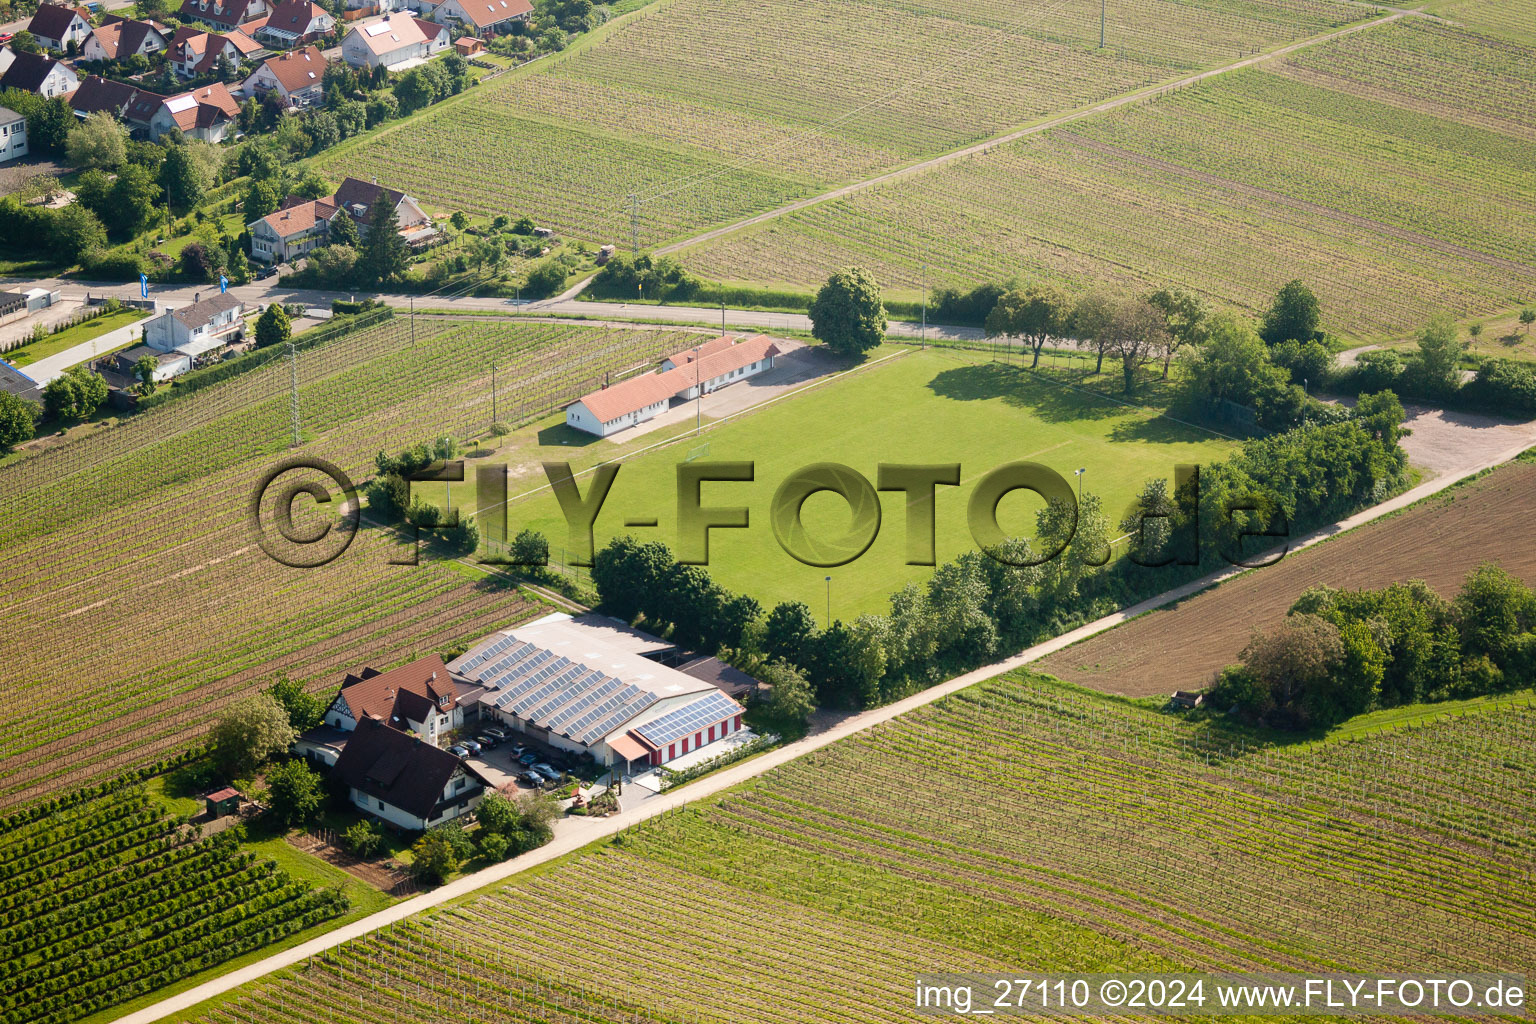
[
  {"x": 70, "y": 337},
  {"x": 917, "y": 407}
]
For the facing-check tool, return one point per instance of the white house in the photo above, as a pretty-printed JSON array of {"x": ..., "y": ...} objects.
[
  {"x": 13, "y": 135},
  {"x": 298, "y": 227},
  {"x": 296, "y": 21},
  {"x": 588, "y": 687},
  {"x": 395, "y": 41},
  {"x": 197, "y": 329},
  {"x": 483, "y": 17},
  {"x": 194, "y": 52},
  {"x": 421, "y": 698},
  {"x": 167, "y": 364},
  {"x": 716, "y": 364},
  {"x": 120, "y": 39},
  {"x": 398, "y": 778},
  {"x": 224, "y": 14},
  {"x": 297, "y": 77},
  {"x": 55, "y": 26},
  {"x": 36, "y": 72}
]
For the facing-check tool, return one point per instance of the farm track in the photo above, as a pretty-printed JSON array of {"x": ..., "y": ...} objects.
[{"x": 1438, "y": 541}]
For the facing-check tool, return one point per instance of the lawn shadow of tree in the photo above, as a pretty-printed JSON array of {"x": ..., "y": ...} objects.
[
  {"x": 561, "y": 435},
  {"x": 1021, "y": 390}
]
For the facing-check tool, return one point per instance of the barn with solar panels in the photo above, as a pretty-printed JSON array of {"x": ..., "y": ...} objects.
[{"x": 588, "y": 688}]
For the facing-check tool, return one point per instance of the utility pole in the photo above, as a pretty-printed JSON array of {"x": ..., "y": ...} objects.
[
  {"x": 634, "y": 225},
  {"x": 923, "y": 337},
  {"x": 494, "y": 417},
  {"x": 698, "y": 394},
  {"x": 293, "y": 390},
  {"x": 829, "y": 603}
]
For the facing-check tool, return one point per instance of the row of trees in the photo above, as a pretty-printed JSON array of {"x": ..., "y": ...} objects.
[{"x": 1340, "y": 653}]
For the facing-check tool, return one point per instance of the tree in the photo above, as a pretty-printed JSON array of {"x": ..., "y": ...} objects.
[
  {"x": 17, "y": 418},
  {"x": 384, "y": 251},
  {"x": 74, "y": 395},
  {"x": 847, "y": 314},
  {"x": 273, "y": 326},
  {"x": 133, "y": 200},
  {"x": 1492, "y": 610},
  {"x": 183, "y": 178},
  {"x": 295, "y": 791},
  {"x": 144, "y": 372},
  {"x": 343, "y": 231},
  {"x": 1137, "y": 333},
  {"x": 736, "y": 616},
  {"x": 459, "y": 220},
  {"x": 25, "y": 42},
  {"x": 1440, "y": 355},
  {"x": 1293, "y": 661},
  {"x": 251, "y": 731},
  {"x": 362, "y": 840},
  {"x": 1035, "y": 314},
  {"x": 628, "y": 575},
  {"x": 98, "y": 141},
  {"x": 789, "y": 694},
  {"x": 787, "y": 633},
  {"x": 76, "y": 230},
  {"x": 1527, "y": 317},
  {"x": 1092, "y": 319},
  {"x": 1232, "y": 364},
  {"x": 304, "y": 709},
  {"x": 530, "y": 548},
  {"x": 1183, "y": 319},
  {"x": 260, "y": 200},
  {"x": 1294, "y": 315},
  {"x": 432, "y": 858},
  {"x": 548, "y": 278}
]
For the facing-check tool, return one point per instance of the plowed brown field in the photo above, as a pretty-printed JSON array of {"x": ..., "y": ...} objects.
[{"x": 1438, "y": 540}]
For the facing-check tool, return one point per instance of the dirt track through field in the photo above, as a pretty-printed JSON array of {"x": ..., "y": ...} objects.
[{"x": 1439, "y": 541}]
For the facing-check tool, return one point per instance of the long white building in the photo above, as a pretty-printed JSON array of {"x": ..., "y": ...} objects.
[{"x": 715, "y": 364}]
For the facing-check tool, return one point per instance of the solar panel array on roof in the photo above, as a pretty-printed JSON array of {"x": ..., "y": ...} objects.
[
  {"x": 688, "y": 719},
  {"x": 553, "y": 692}
]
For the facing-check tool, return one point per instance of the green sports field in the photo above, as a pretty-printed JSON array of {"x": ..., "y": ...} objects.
[{"x": 916, "y": 407}]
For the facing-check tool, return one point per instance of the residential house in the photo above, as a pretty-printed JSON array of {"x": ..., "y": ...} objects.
[
  {"x": 292, "y": 231},
  {"x": 167, "y": 364},
  {"x": 395, "y": 42},
  {"x": 297, "y": 77},
  {"x": 13, "y": 135},
  {"x": 296, "y": 21},
  {"x": 301, "y": 225},
  {"x": 207, "y": 113},
  {"x": 714, "y": 365},
  {"x": 97, "y": 93},
  {"x": 484, "y": 18},
  {"x": 7, "y": 55},
  {"x": 439, "y": 38},
  {"x": 468, "y": 46},
  {"x": 55, "y": 26},
  {"x": 199, "y": 329},
  {"x": 119, "y": 39},
  {"x": 421, "y": 698},
  {"x": 398, "y": 778},
  {"x": 225, "y": 14},
  {"x": 39, "y": 73},
  {"x": 194, "y": 52}
]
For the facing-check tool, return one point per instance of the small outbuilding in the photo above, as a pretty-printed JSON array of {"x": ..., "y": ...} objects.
[
  {"x": 224, "y": 802},
  {"x": 1186, "y": 699}
]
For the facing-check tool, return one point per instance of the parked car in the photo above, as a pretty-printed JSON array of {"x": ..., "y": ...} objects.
[
  {"x": 497, "y": 734},
  {"x": 528, "y": 758},
  {"x": 471, "y": 746},
  {"x": 548, "y": 772},
  {"x": 458, "y": 751},
  {"x": 485, "y": 740},
  {"x": 532, "y": 778}
]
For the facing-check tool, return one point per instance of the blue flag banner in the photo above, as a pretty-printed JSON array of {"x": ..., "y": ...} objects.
[
  {"x": 223, "y": 284},
  {"x": 144, "y": 285}
]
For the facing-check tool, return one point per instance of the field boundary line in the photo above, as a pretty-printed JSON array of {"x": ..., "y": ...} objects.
[
  {"x": 580, "y": 833},
  {"x": 1146, "y": 93}
]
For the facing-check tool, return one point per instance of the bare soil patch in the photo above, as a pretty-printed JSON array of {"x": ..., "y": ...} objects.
[{"x": 1438, "y": 541}]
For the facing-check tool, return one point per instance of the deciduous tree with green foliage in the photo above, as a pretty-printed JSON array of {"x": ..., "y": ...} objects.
[
  {"x": 1440, "y": 349},
  {"x": 362, "y": 840},
  {"x": 74, "y": 395},
  {"x": 1034, "y": 314},
  {"x": 17, "y": 419},
  {"x": 788, "y": 631},
  {"x": 144, "y": 372},
  {"x": 790, "y": 698},
  {"x": 297, "y": 794},
  {"x": 98, "y": 141},
  {"x": 273, "y": 326},
  {"x": 249, "y": 732},
  {"x": 1295, "y": 315},
  {"x": 847, "y": 314},
  {"x": 304, "y": 709}
]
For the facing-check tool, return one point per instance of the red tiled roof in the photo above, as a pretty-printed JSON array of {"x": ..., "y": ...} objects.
[
  {"x": 709, "y": 348},
  {"x": 647, "y": 389},
  {"x": 374, "y": 696},
  {"x": 124, "y": 37},
  {"x": 300, "y": 217},
  {"x": 294, "y": 16},
  {"x": 297, "y": 69},
  {"x": 485, "y": 13},
  {"x": 393, "y": 32}
]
